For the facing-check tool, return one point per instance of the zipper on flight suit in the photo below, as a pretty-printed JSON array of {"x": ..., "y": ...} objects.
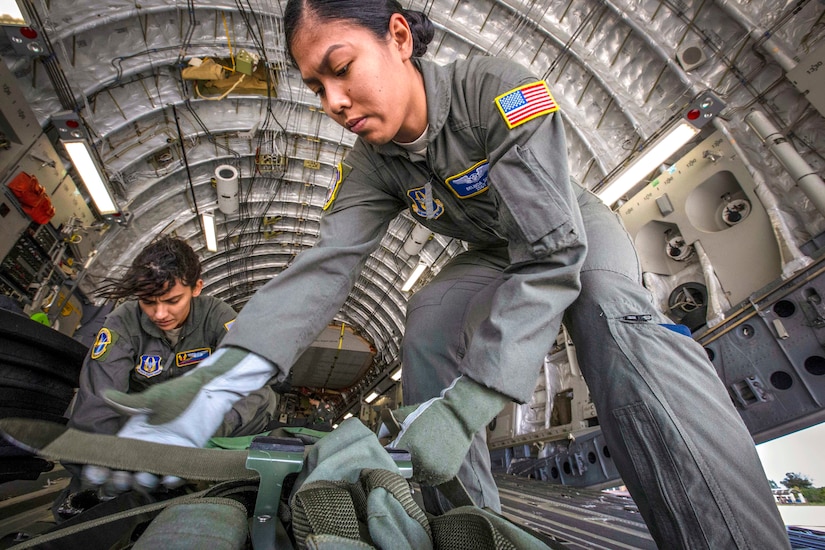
[{"x": 641, "y": 318}]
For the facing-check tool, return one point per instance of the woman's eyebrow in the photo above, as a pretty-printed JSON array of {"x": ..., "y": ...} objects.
[{"x": 324, "y": 61}]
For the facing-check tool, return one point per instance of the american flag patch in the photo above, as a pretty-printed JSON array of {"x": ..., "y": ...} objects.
[{"x": 526, "y": 103}]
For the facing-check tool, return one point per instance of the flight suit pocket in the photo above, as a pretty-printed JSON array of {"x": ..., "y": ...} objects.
[
  {"x": 647, "y": 429},
  {"x": 656, "y": 472},
  {"x": 534, "y": 211}
]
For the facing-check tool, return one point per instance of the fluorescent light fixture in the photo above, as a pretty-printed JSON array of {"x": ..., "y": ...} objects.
[
  {"x": 414, "y": 276},
  {"x": 209, "y": 233},
  {"x": 371, "y": 397},
  {"x": 654, "y": 155},
  {"x": 11, "y": 14},
  {"x": 396, "y": 375},
  {"x": 88, "y": 171},
  {"x": 90, "y": 259},
  {"x": 348, "y": 415}
]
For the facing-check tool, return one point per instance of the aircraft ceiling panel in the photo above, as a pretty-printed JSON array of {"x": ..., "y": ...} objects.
[{"x": 612, "y": 66}]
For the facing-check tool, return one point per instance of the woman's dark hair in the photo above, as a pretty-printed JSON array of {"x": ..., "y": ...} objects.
[
  {"x": 373, "y": 15},
  {"x": 155, "y": 270}
]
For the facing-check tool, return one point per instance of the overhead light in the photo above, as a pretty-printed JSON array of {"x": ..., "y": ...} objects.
[
  {"x": 414, "y": 276},
  {"x": 81, "y": 156},
  {"x": 11, "y": 14},
  {"x": 371, "y": 397},
  {"x": 348, "y": 415},
  {"x": 90, "y": 259},
  {"x": 396, "y": 375},
  {"x": 209, "y": 233},
  {"x": 654, "y": 155}
]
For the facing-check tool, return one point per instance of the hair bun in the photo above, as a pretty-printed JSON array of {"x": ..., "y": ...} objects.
[{"x": 422, "y": 30}]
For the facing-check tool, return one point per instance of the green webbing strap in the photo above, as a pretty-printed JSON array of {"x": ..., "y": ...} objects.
[
  {"x": 85, "y": 526},
  {"x": 58, "y": 442}
]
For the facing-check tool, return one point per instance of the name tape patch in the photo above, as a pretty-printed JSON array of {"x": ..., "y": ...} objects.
[
  {"x": 526, "y": 103},
  {"x": 471, "y": 181},
  {"x": 192, "y": 356}
]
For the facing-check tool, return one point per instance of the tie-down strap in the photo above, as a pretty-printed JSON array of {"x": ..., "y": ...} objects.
[{"x": 57, "y": 442}]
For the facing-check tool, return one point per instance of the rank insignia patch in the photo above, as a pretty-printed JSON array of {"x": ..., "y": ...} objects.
[
  {"x": 192, "y": 357},
  {"x": 419, "y": 203},
  {"x": 341, "y": 173},
  {"x": 526, "y": 103},
  {"x": 102, "y": 342},
  {"x": 149, "y": 366},
  {"x": 471, "y": 181}
]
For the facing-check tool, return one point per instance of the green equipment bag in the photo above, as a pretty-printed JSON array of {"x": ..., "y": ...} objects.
[{"x": 351, "y": 495}]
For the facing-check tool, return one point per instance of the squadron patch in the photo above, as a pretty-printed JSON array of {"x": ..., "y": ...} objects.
[
  {"x": 340, "y": 174},
  {"x": 149, "y": 366},
  {"x": 103, "y": 340},
  {"x": 228, "y": 325},
  {"x": 419, "y": 203},
  {"x": 471, "y": 181},
  {"x": 526, "y": 103},
  {"x": 192, "y": 356}
]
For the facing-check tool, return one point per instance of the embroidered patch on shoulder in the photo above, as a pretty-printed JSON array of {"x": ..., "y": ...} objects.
[
  {"x": 340, "y": 174},
  {"x": 526, "y": 103},
  {"x": 419, "y": 203},
  {"x": 103, "y": 340},
  {"x": 192, "y": 356},
  {"x": 471, "y": 181},
  {"x": 149, "y": 366},
  {"x": 228, "y": 325}
]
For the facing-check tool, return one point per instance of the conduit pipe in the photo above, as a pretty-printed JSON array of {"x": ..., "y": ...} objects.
[
  {"x": 758, "y": 34},
  {"x": 805, "y": 177},
  {"x": 793, "y": 259}
]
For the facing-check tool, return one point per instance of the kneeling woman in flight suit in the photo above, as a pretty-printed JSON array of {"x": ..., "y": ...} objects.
[
  {"x": 476, "y": 151},
  {"x": 164, "y": 331}
]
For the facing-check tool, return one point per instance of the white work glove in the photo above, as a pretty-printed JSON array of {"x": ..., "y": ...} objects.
[
  {"x": 438, "y": 433},
  {"x": 184, "y": 411}
]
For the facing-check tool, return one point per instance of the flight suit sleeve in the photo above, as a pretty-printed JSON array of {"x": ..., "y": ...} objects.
[
  {"x": 221, "y": 320},
  {"x": 252, "y": 414},
  {"x": 107, "y": 365},
  {"x": 538, "y": 214},
  {"x": 286, "y": 315}
]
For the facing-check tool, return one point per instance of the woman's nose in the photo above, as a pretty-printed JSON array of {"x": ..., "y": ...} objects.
[{"x": 337, "y": 99}]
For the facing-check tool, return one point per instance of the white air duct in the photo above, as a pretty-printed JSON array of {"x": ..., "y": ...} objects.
[
  {"x": 803, "y": 174},
  {"x": 226, "y": 177},
  {"x": 417, "y": 239}
]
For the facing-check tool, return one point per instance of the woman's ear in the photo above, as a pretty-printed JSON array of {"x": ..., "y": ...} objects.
[
  {"x": 197, "y": 287},
  {"x": 401, "y": 35}
]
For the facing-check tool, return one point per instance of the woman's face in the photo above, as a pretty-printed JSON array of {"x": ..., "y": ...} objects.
[{"x": 365, "y": 84}]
